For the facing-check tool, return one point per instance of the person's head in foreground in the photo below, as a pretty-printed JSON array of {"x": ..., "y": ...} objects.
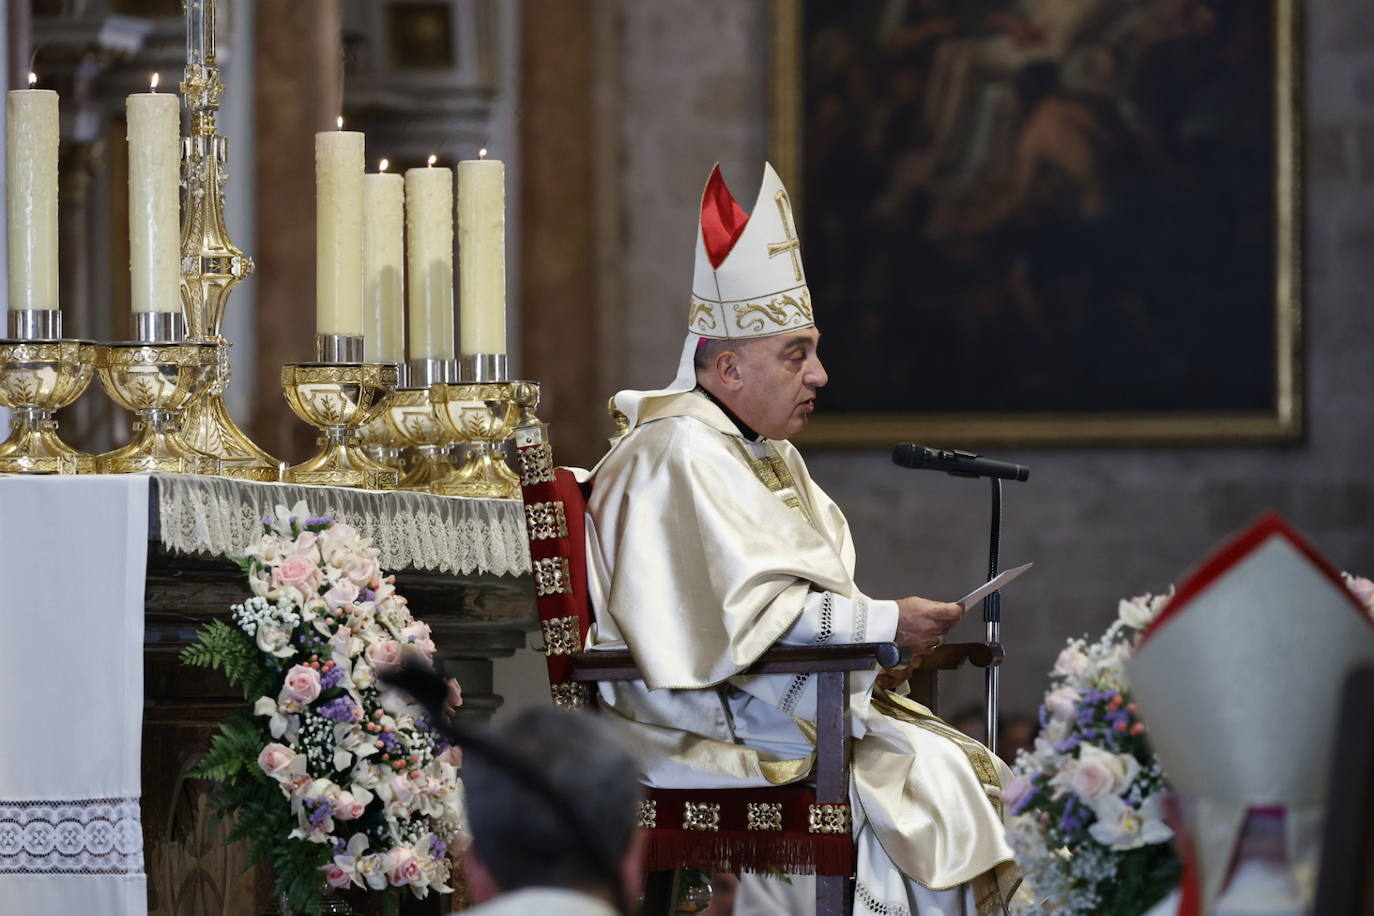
[{"x": 520, "y": 842}]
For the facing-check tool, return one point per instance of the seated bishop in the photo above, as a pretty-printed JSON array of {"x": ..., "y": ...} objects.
[{"x": 709, "y": 543}]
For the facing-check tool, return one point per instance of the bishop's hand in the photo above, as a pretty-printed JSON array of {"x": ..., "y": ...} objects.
[{"x": 922, "y": 624}]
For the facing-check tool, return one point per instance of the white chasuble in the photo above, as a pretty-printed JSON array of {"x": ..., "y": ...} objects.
[{"x": 705, "y": 549}]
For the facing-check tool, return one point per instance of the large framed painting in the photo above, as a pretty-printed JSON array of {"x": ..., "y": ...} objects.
[{"x": 1037, "y": 222}]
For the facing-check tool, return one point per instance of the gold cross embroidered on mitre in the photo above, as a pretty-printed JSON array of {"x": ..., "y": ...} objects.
[{"x": 792, "y": 244}]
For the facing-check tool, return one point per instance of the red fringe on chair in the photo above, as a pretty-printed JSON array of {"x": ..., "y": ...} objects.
[{"x": 754, "y": 851}]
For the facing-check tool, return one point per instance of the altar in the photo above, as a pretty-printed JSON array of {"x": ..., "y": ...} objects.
[{"x": 126, "y": 569}]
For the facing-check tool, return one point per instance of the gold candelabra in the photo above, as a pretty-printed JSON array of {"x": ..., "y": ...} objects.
[
  {"x": 211, "y": 265},
  {"x": 481, "y": 415},
  {"x": 157, "y": 381},
  {"x": 38, "y": 377},
  {"x": 338, "y": 398}
]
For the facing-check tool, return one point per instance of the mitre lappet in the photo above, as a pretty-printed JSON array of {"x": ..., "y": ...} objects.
[
  {"x": 748, "y": 282},
  {"x": 1239, "y": 681}
]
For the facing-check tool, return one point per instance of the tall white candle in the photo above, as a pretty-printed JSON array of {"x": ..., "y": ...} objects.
[
  {"x": 482, "y": 255},
  {"x": 154, "y": 215},
  {"x": 31, "y": 183},
  {"x": 383, "y": 267},
  {"x": 429, "y": 261},
  {"x": 339, "y": 233}
]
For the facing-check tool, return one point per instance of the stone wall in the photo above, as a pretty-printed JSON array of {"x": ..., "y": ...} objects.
[{"x": 1100, "y": 524}]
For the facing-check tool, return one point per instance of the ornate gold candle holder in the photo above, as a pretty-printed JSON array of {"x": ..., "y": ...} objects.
[
  {"x": 481, "y": 415},
  {"x": 381, "y": 444},
  {"x": 413, "y": 422},
  {"x": 38, "y": 377},
  {"x": 157, "y": 381},
  {"x": 338, "y": 398}
]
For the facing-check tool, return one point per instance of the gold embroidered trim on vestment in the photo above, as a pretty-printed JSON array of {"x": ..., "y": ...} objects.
[
  {"x": 765, "y": 815},
  {"x": 546, "y": 521},
  {"x": 784, "y": 312},
  {"x": 571, "y": 696},
  {"x": 536, "y": 464},
  {"x": 701, "y": 816},
  {"x": 551, "y": 577},
  {"x": 773, "y": 472},
  {"x": 562, "y": 636},
  {"x": 647, "y": 818},
  {"x": 829, "y": 819}
]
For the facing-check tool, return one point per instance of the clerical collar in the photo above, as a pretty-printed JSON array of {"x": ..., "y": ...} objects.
[{"x": 744, "y": 430}]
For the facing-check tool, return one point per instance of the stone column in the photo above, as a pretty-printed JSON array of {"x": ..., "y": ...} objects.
[
  {"x": 298, "y": 92},
  {"x": 558, "y": 210}
]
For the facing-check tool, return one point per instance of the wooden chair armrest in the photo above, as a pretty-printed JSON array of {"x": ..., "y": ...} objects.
[
  {"x": 954, "y": 655},
  {"x": 620, "y": 666}
]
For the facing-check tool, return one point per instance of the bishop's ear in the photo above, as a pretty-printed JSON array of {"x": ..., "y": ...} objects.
[{"x": 726, "y": 369}]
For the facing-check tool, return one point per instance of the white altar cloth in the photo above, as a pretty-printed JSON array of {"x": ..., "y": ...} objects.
[{"x": 73, "y": 556}]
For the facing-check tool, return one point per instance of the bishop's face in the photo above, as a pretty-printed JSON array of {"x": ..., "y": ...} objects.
[{"x": 778, "y": 377}]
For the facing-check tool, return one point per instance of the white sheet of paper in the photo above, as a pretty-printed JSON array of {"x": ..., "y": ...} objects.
[{"x": 987, "y": 588}]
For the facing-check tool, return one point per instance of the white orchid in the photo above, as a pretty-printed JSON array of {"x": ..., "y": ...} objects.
[
  {"x": 282, "y": 723},
  {"x": 1120, "y": 826}
]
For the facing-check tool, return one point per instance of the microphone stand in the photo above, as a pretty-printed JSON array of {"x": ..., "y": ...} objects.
[{"x": 992, "y": 617}]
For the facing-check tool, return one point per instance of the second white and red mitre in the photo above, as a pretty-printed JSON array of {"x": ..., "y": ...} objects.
[{"x": 1239, "y": 681}]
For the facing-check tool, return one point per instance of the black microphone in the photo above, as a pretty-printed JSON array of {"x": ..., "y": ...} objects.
[{"x": 953, "y": 461}]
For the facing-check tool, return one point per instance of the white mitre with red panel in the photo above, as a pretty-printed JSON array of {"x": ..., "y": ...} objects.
[
  {"x": 748, "y": 280},
  {"x": 1239, "y": 681}
]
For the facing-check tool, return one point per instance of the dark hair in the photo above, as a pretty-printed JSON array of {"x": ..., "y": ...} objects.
[{"x": 519, "y": 838}]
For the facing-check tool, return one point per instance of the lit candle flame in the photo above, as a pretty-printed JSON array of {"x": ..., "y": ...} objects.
[
  {"x": 339, "y": 122},
  {"x": 482, "y": 153},
  {"x": 432, "y": 159},
  {"x": 33, "y": 78},
  {"x": 152, "y": 83},
  {"x": 382, "y": 166}
]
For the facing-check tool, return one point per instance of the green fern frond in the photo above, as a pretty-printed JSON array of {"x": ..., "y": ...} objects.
[{"x": 220, "y": 646}]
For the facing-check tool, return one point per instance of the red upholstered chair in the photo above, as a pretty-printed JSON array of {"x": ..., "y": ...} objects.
[{"x": 799, "y": 828}]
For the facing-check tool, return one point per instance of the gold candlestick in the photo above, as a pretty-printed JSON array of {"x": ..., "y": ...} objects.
[
  {"x": 211, "y": 265},
  {"x": 338, "y": 398},
  {"x": 157, "y": 382},
  {"x": 38, "y": 377},
  {"x": 413, "y": 422},
  {"x": 482, "y": 415}
]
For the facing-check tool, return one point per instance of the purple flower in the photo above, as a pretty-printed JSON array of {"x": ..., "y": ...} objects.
[
  {"x": 331, "y": 677},
  {"x": 437, "y": 847},
  {"x": 319, "y": 810},
  {"x": 340, "y": 709},
  {"x": 318, "y": 521}
]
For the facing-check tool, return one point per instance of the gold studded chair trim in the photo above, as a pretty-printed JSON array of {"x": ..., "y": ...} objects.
[
  {"x": 551, "y": 576},
  {"x": 562, "y": 636},
  {"x": 546, "y": 521},
  {"x": 536, "y": 464},
  {"x": 573, "y": 696},
  {"x": 765, "y": 815},
  {"x": 829, "y": 819},
  {"x": 701, "y": 816}
]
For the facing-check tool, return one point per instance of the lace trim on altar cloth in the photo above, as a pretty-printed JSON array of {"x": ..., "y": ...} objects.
[
  {"x": 449, "y": 534},
  {"x": 84, "y": 836}
]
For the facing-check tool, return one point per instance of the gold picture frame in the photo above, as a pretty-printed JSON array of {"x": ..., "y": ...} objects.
[{"x": 1281, "y": 422}]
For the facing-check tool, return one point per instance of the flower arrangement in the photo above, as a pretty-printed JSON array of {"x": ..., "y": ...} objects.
[
  {"x": 333, "y": 780},
  {"x": 1087, "y": 821}
]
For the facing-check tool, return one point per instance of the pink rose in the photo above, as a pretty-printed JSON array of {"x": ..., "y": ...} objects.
[
  {"x": 1016, "y": 790},
  {"x": 302, "y": 685},
  {"x": 452, "y": 755},
  {"x": 275, "y": 761},
  {"x": 335, "y": 876},
  {"x": 298, "y": 572},
  {"x": 383, "y": 655},
  {"x": 1100, "y": 773},
  {"x": 345, "y": 591},
  {"x": 305, "y": 544},
  {"x": 417, "y": 634},
  {"x": 1061, "y": 702},
  {"x": 405, "y": 868},
  {"x": 360, "y": 569}
]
